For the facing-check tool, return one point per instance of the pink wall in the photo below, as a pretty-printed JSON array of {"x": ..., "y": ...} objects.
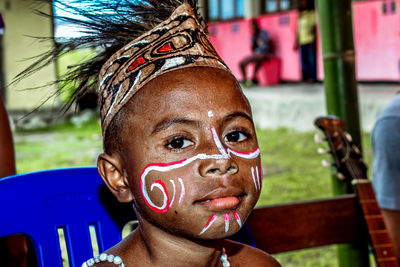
[
  {"x": 376, "y": 35},
  {"x": 377, "y": 41},
  {"x": 232, "y": 42}
]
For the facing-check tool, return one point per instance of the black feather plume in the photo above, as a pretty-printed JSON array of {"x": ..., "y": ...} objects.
[{"x": 106, "y": 27}]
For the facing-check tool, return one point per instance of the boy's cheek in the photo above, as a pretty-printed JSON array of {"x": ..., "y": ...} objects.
[{"x": 159, "y": 192}]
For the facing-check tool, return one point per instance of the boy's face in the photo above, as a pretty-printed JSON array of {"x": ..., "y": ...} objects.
[{"x": 190, "y": 153}]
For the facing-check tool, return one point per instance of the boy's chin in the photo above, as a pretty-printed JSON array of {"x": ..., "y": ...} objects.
[
  {"x": 218, "y": 233},
  {"x": 212, "y": 234}
]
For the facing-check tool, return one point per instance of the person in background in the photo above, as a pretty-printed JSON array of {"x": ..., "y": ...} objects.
[
  {"x": 386, "y": 168},
  {"x": 306, "y": 40},
  {"x": 260, "y": 46},
  {"x": 14, "y": 250},
  {"x": 7, "y": 159}
]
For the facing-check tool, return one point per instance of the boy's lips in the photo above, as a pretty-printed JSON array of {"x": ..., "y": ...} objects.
[{"x": 221, "y": 199}]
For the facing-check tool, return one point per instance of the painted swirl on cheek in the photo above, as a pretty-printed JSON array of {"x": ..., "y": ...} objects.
[
  {"x": 166, "y": 167},
  {"x": 158, "y": 184},
  {"x": 161, "y": 186}
]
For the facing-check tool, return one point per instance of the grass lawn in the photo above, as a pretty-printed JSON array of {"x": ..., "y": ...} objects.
[{"x": 292, "y": 168}]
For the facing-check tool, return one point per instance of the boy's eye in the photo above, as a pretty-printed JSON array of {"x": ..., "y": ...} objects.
[
  {"x": 235, "y": 136},
  {"x": 179, "y": 143}
]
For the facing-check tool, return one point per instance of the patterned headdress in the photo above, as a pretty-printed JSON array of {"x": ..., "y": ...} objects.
[
  {"x": 178, "y": 42},
  {"x": 131, "y": 43}
]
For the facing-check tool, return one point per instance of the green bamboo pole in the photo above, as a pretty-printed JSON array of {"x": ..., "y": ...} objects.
[{"x": 336, "y": 33}]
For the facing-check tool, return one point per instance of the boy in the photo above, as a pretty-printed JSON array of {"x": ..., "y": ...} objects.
[
  {"x": 179, "y": 141},
  {"x": 175, "y": 117}
]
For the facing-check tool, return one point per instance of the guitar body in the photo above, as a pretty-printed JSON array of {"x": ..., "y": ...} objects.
[{"x": 350, "y": 165}]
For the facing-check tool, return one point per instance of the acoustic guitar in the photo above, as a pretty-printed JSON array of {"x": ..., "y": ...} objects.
[{"x": 350, "y": 166}]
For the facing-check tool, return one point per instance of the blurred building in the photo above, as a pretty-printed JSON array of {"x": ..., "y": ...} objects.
[
  {"x": 376, "y": 25},
  {"x": 376, "y": 33},
  {"x": 17, "y": 46}
]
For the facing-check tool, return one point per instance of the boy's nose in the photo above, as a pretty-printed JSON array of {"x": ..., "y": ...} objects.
[{"x": 218, "y": 167}]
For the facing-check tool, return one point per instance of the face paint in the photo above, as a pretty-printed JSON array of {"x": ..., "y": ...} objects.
[
  {"x": 213, "y": 218},
  {"x": 209, "y": 223},
  {"x": 166, "y": 167},
  {"x": 226, "y": 216},
  {"x": 254, "y": 178},
  {"x": 218, "y": 143},
  {"x": 173, "y": 198},
  {"x": 239, "y": 221},
  {"x": 158, "y": 158},
  {"x": 183, "y": 192},
  {"x": 159, "y": 209},
  {"x": 161, "y": 186},
  {"x": 251, "y": 155},
  {"x": 258, "y": 179}
]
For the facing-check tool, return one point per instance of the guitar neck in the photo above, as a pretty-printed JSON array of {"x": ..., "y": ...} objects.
[{"x": 380, "y": 240}]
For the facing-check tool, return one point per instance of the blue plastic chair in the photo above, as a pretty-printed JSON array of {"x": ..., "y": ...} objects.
[{"x": 37, "y": 204}]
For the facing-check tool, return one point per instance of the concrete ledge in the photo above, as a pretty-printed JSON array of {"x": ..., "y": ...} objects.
[{"x": 296, "y": 106}]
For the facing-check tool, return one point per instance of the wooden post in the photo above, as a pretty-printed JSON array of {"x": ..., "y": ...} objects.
[{"x": 336, "y": 33}]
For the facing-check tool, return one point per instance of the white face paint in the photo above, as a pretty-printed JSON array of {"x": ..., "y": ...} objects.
[
  {"x": 173, "y": 197},
  {"x": 227, "y": 219},
  {"x": 166, "y": 167},
  {"x": 183, "y": 192},
  {"x": 208, "y": 224},
  {"x": 237, "y": 217}
]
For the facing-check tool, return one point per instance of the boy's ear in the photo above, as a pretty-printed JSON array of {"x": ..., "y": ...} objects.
[{"x": 111, "y": 170}]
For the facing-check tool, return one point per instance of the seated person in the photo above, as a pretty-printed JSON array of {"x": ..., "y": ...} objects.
[
  {"x": 13, "y": 249},
  {"x": 7, "y": 158},
  {"x": 179, "y": 139},
  {"x": 386, "y": 168},
  {"x": 260, "y": 46}
]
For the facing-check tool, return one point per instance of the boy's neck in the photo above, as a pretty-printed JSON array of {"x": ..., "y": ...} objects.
[
  {"x": 167, "y": 249},
  {"x": 161, "y": 248}
]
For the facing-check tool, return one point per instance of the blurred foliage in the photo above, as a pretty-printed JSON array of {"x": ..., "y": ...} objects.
[
  {"x": 58, "y": 146},
  {"x": 64, "y": 64}
]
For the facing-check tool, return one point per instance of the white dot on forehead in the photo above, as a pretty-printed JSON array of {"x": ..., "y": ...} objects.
[{"x": 210, "y": 114}]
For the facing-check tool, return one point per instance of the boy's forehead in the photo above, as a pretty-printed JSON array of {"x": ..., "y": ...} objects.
[{"x": 196, "y": 89}]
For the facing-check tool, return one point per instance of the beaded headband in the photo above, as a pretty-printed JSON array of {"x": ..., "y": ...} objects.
[{"x": 178, "y": 42}]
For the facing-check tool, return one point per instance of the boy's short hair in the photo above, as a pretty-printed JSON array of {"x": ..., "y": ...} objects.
[{"x": 112, "y": 141}]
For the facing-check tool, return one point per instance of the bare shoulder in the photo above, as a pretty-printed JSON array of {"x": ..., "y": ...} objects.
[
  {"x": 243, "y": 255},
  {"x": 120, "y": 252}
]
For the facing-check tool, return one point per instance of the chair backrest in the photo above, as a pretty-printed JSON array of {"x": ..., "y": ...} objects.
[
  {"x": 306, "y": 224},
  {"x": 39, "y": 204}
]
